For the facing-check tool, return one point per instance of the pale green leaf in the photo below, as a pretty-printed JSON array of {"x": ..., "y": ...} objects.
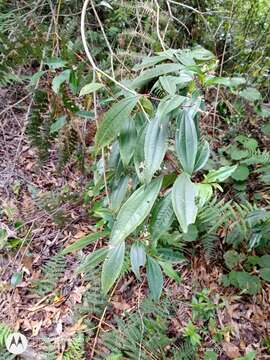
[
  {"x": 202, "y": 156},
  {"x": 92, "y": 260},
  {"x": 155, "y": 146},
  {"x": 154, "y": 277},
  {"x": 84, "y": 241},
  {"x": 155, "y": 72},
  {"x": 186, "y": 141},
  {"x": 60, "y": 79},
  {"x": 58, "y": 124},
  {"x": 250, "y": 94},
  {"x": 169, "y": 104},
  {"x": 113, "y": 121},
  {"x": 90, "y": 88},
  {"x": 183, "y": 200},
  {"x": 127, "y": 141},
  {"x": 162, "y": 217},
  {"x": 219, "y": 175},
  {"x": 119, "y": 192},
  {"x": 135, "y": 210},
  {"x": 112, "y": 266},
  {"x": 137, "y": 258}
]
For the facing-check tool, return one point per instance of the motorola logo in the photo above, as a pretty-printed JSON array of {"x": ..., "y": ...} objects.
[{"x": 16, "y": 343}]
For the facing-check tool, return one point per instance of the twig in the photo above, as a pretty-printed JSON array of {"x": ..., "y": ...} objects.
[{"x": 157, "y": 27}]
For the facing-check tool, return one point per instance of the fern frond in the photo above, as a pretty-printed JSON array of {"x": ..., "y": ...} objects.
[
  {"x": 75, "y": 348},
  {"x": 51, "y": 273}
]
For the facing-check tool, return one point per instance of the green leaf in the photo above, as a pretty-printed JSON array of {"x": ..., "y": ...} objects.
[
  {"x": 266, "y": 129},
  {"x": 155, "y": 146},
  {"x": 112, "y": 266},
  {"x": 186, "y": 141},
  {"x": 232, "y": 259},
  {"x": 58, "y": 124},
  {"x": 183, "y": 200},
  {"x": 92, "y": 260},
  {"x": 139, "y": 154},
  {"x": 219, "y": 175},
  {"x": 169, "y": 271},
  {"x": 202, "y": 156},
  {"x": 154, "y": 277},
  {"x": 244, "y": 281},
  {"x": 162, "y": 217},
  {"x": 250, "y": 94},
  {"x": 118, "y": 193},
  {"x": 113, "y": 121},
  {"x": 155, "y": 72},
  {"x": 265, "y": 274},
  {"x": 60, "y": 79},
  {"x": 34, "y": 78},
  {"x": 264, "y": 261},
  {"x": 137, "y": 258},
  {"x": 250, "y": 356},
  {"x": 241, "y": 173},
  {"x": 169, "y": 104},
  {"x": 127, "y": 141},
  {"x": 169, "y": 84},
  {"x": 90, "y": 88},
  {"x": 55, "y": 63},
  {"x": 225, "y": 81},
  {"x": 151, "y": 61},
  {"x": 210, "y": 355},
  {"x": 135, "y": 210},
  {"x": 84, "y": 241},
  {"x": 204, "y": 193},
  {"x": 200, "y": 53},
  {"x": 16, "y": 279}
]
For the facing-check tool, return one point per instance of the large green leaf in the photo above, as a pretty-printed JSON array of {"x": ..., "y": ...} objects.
[
  {"x": 127, "y": 141},
  {"x": 202, "y": 156},
  {"x": 186, "y": 141},
  {"x": 153, "y": 60},
  {"x": 84, "y": 241},
  {"x": 183, "y": 200},
  {"x": 93, "y": 259},
  {"x": 154, "y": 277},
  {"x": 162, "y": 217},
  {"x": 155, "y": 146},
  {"x": 169, "y": 104},
  {"x": 219, "y": 175},
  {"x": 112, "y": 266},
  {"x": 113, "y": 121},
  {"x": 134, "y": 211},
  {"x": 90, "y": 88},
  {"x": 119, "y": 192},
  {"x": 139, "y": 154},
  {"x": 250, "y": 94},
  {"x": 155, "y": 72},
  {"x": 137, "y": 258}
]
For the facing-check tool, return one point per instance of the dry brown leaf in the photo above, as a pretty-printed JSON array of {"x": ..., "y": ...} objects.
[{"x": 231, "y": 350}]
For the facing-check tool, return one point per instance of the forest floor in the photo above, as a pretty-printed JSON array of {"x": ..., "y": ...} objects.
[{"x": 38, "y": 222}]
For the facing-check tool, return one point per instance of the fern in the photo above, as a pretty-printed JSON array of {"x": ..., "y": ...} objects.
[
  {"x": 51, "y": 273},
  {"x": 75, "y": 348},
  {"x": 37, "y": 129},
  {"x": 144, "y": 335},
  {"x": 257, "y": 157}
]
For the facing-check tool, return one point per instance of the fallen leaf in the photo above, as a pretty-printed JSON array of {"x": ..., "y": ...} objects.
[{"x": 231, "y": 350}]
